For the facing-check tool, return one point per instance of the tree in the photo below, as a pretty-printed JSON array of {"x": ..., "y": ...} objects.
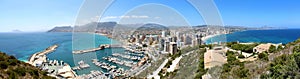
[
  {"x": 229, "y": 53},
  {"x": 3, "y": 65},
  {"x": 297, "y": 58},
  {"x": 296, "y": 49},
  {"x": 263, "y": 56},
  {"x": 231, "y": 59},
  {"x": 272, "y": 49}
]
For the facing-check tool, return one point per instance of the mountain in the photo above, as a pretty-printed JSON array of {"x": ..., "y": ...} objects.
[
  {"x": 16, "y": 31},
  {"x": 11, "y": 68},
  {"x": 152, "y": 26},
  {"x": 85, "y": 28},
  {"x": 61, "y": 29}
]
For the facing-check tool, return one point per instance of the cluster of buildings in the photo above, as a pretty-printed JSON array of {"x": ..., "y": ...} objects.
[{"x": 167, "y": 42}]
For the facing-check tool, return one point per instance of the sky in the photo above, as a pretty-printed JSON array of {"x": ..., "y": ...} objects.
[{"x": 42, "y": 15}]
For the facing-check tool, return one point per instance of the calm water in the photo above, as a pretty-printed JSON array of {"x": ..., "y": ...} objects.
[
  {"x": 273, "y": 36},
  {"x": 23, "y": 45}
]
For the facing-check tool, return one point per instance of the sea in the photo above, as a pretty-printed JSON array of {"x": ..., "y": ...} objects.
[
  {"x": 283, "y": 36},
  {"x": 23, "y": 45}
]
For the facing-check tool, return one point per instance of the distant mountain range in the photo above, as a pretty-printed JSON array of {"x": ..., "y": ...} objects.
[
  {"x": 106, "y": 26},
  {"x": 109, "y": 26}
]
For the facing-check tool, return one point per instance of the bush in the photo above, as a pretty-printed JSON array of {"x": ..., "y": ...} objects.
[
  {"x": 12, "y": 75},
  {"x": 296, "y": 49},
  {"x": 13, "y": 62},
  {"x": 263, "y": 56},
  {"x": 272, "y": 49},
  {"x": 242, "y": 72},
  {"x": 3, "y": 65},
  {"x": 243, "y": 47},
  {"x": 231, "y": 59},
  {"x": 21, "y": 71},
  {"x": 241, "y": 56},
  {"x": 229, "y": 53},
  {"x": 297, "y": 58}
]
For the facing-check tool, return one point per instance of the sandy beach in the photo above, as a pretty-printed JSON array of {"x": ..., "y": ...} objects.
[{"x": 205, "y": 38}]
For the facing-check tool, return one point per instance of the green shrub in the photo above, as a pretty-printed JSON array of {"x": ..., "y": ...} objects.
[
  {"x": 272, "y": 49},
  {"x": 241, "y": 56},
  {"x": 21, "y": 71},
  {"x": 13, "y": 62},
  {"x": 263, "y": 56},
  {"x": 12, "y": 75},
  {"x": 3, "y": 65}
]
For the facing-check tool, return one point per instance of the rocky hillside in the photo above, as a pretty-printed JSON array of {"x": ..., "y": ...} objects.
[
  {"x": 11, "y": 68},
  {"x": 280, "y": 64},
  {"x": 61, "y": 29}
]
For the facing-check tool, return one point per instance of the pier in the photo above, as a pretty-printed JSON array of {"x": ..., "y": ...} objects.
[
  {"x": 92, "y": 50},
  {"x": 37, "y": 58}
]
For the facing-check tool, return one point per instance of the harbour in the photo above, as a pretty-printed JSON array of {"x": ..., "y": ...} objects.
[{"x": 55, "y": 68}]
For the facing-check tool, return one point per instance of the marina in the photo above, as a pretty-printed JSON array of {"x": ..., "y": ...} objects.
[
  {"x": 82, "y": 65},
  {"x": 114, "y": 65},
  {"x": 93, "y": 75},
  {"x": 126, "y": 56}
]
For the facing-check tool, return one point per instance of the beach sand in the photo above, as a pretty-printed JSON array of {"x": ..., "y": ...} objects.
[{"x": 205, "y": 38}]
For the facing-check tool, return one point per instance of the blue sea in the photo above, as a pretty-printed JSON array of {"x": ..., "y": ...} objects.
[
  {"x": 283, "y": 36},
  {"x": 23, "y": 45}
]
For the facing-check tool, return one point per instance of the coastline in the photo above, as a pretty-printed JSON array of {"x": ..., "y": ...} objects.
[{"x": 205, "y": 38}]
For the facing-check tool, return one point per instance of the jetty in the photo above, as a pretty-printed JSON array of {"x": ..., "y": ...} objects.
[
  {"x": 103, "y": 46},
  {"x": 40, "y": 57}
]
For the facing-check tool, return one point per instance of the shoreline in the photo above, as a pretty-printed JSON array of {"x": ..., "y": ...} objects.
[{"x": 205, "y": 38}]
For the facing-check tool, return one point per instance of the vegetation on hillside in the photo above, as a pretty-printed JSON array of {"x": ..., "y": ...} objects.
[
  {"x": 242, "y": 47},
  {"x": 190, "y": 66},
  {"x": 278, "y": 63},
  {"x": 234, "y": 67},
  {"x": 286, "y": 66},
  {"x": 11, "y": 68},
  {"x": 201, "y": 70}
]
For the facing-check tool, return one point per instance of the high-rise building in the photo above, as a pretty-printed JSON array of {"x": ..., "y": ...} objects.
[
  {"x": 163, "y": 34},
  {"x": 137, "y": 39},
  {"x": 162, "y": 44},
  {"x": 167, "y": 46},
  {"x": 178, "y": 35},
  {"x": 174, "y": 39},
  {"x": 187, "y": 40},
  {"x": 197, "y": 40},
  {"x": 173, "y": 48},
  {"x": 169, "y": 39}
]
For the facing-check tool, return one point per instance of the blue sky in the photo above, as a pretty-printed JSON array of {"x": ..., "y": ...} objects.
[{"x": 41, "y": 15}]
